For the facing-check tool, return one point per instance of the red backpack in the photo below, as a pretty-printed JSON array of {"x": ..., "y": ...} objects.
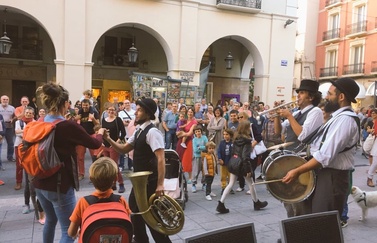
[
  {"x": 37, "y": 153},
  {"x": 105, "y": 220}
]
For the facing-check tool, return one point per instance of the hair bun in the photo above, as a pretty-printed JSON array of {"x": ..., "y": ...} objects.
[{"x": 51, "y": 90}]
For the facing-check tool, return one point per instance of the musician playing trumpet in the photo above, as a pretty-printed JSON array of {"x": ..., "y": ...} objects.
[{"x": 298, "y": 126}]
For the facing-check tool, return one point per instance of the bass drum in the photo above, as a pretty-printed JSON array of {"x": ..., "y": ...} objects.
[{"x": 276, "y": 166}]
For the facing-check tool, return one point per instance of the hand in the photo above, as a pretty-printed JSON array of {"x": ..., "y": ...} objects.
[
  {"x": 106, "y": 134},
  {"x": 249, "y": 174},
  {"x": 160, "y": 190},
  {"x": 290, "y": 176},
  {"x": 221, "y": 162},
  {"x": 91, "y": 117},
  {"x": 284, "y": 112}
]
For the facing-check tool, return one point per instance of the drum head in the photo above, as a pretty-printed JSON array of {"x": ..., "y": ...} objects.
[
  {"x": 271, "y": 157},
  {"x": 296, "y": 191}
]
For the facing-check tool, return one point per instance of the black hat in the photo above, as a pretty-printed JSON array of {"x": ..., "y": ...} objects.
[
  {"x": 149, "y": 106},
  {"x": 348, "y": 87},
  {"x": 308, "y": 85}
]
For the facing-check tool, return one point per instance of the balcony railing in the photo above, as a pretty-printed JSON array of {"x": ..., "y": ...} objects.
[
  {"x": 331, "y": 34},
  {"x": 356, "y": 68},
  {"x": 356, "y": 27},
  {"x": 331, "y": 2},
  {"x": 242, "y": 3},
  {"x": 373, "y": 66},
  {"x": 328, "y": 72},
  {"x": 26, "y": 49}
]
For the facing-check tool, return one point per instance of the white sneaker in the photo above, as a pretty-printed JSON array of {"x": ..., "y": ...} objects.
[
  {"x": 209, "y": 198},
  {"x": 212, "y": 194},
  {"x": 239, "y": 189},
  {"x": 248, "y": 192},
  {"x": 183, "y": 145}
]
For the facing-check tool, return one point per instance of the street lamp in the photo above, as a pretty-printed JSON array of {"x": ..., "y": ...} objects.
[
  {"x": 229, "y": 61},
  {"x": 5, "y": 43},
  {"x": 132, "y": 54}
]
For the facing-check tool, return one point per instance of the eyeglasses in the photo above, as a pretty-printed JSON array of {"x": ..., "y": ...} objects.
[
  {"x": 240, "y": 117},
  {"x": 110, "y": 109}
]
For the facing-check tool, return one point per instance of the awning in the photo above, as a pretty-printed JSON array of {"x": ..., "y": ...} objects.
[
  {"x": 370, "y": 89},
  {"x": 324, "y": 87}
]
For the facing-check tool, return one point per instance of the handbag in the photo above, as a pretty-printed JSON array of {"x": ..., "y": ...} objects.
[
  {"x": 368, "y": 143},
  {"x": 260, "y": 148},
  {"x": 235, "y": 164}
]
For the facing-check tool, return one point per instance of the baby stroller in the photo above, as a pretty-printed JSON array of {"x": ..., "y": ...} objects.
[{"x": 175, "y": 183}]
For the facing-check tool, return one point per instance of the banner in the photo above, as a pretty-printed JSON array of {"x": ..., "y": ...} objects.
[{"x": 203, "y": 80}]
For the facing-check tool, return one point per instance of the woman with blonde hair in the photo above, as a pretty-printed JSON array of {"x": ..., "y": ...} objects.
[
  {"x": 56, "y": 193},
  {"x": 242, "y": 149}
]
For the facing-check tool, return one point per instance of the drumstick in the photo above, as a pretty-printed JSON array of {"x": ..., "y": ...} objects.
[{"x": 265, "y": 182}]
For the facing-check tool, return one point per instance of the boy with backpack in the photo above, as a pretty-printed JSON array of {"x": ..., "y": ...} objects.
[{"x": 94, "y": 210}]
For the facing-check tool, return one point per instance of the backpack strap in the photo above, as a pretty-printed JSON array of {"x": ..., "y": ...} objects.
[{"x": 93, "y": 199}]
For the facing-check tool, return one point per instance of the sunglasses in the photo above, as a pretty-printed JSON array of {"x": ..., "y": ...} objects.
[{"x": 240, "y": 117}]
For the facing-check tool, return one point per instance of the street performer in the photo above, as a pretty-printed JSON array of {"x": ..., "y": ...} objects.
[
  {"x": 298, "y": 126},
  {"x": 148, "y": 145},
  {"x": 333, "y": 149}
]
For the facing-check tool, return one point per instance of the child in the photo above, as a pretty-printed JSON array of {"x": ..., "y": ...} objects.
[
  {"x": 209, "y": 168},
  {"x": 224, "y": 153},
  {"x": 182, "y": 122},
  {"x": 102, "y": 173},
  {"x": 199, "y": 145}
]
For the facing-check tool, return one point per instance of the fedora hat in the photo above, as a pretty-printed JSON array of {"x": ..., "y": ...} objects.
[
  {"x": 308, "y": 85},
  {"x": 149, "y": 106},
  {"x": 348, "y": 87}
]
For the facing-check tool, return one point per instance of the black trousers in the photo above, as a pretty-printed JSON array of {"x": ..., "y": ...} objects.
[
  {"x": 331, "y": 190},
  {"x": 138, "y": 222}
]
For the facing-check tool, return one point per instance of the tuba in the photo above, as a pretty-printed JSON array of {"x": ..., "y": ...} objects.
[{"x": 162, "y": 213}]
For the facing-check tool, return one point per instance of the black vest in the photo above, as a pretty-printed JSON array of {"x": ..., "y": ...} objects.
[
  {"x": 291, "y": 135},
  {"x": 144, "y": 157}
]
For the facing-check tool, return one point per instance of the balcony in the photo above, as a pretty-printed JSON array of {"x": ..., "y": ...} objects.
[
  {"x": 332, "y": 3},
  {"x": 357, "y": 29},
  {"x": 328, "y": 72},
  {"x": 25, "y": 49},
  {"x": 373, "y": 67},
  {"x": 248, "y": 6},
  {"x": 331, "y": 34},
  {"x": 353, "y": 69}
]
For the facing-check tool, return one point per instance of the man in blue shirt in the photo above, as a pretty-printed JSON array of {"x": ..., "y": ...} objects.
[{"x": 169, "y": 124}]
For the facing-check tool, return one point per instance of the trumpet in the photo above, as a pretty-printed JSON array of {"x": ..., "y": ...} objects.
[{"x": 289, "y": 105}]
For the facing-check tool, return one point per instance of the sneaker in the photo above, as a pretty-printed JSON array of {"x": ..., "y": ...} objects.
[
  {"x": 11, "y": 159},
  {"x": 2, "y": 168},
  {"x": 2, "y": 182},
  {"x": 189, "y": 181},
  {"x": 18, "y": 186},
  {"x": 193, "y": 188},
  {"x": 120, "y": 169},
  {"x": 212, "y": 194},
  {"x": 343, "y": 223},
  {"x": 26, "y": 209},
  {"x": 232, "y": 191},
  {"x": 81, "y": 177},
  {"x": 183, "y": 145},
  {"x": 239, "y": 189},
  {"x": 209, "y": 198},
  {"x": 204, "y": 187},
  {"x": 121, "y": 188},
  {"x": 248, "y": 192}
]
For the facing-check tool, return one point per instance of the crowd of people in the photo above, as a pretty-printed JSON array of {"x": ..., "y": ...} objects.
[{"x": 206, "y": 137}]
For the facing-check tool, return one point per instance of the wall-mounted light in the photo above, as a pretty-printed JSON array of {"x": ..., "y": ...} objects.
[
  {"x": 5, "y": 43},
  {"x": 132, "y": 54},
  {"x": 229, "y": 61},
  {"x": 288, "y": 22}
]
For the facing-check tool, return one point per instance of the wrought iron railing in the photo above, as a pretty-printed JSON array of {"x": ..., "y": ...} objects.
[
  {"x": 356, "y": 27},
  {"x": 356, "y": 68},
  {"x": 243, "y": 3},
  {"x": 331, "y": 34},
  {"x": 331, "y": 2},
  {"x": 373, "y": 66},
  {"x": 328, "y": 72},
  {"x": 26, "y": 49}
]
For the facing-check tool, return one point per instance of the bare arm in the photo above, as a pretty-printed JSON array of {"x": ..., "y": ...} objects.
[
  {"x": 161, "y": 171},
  {"x": 73, "y": 230},
  {"x": 120, "y": 148}
]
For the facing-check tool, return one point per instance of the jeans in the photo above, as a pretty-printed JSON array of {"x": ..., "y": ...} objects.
[
  {"x": 121, "y": 160},
  {"x": 56, "y": 210},
  {"x": 9, "y": 136},
  {"x": 171, "y": 139}
]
